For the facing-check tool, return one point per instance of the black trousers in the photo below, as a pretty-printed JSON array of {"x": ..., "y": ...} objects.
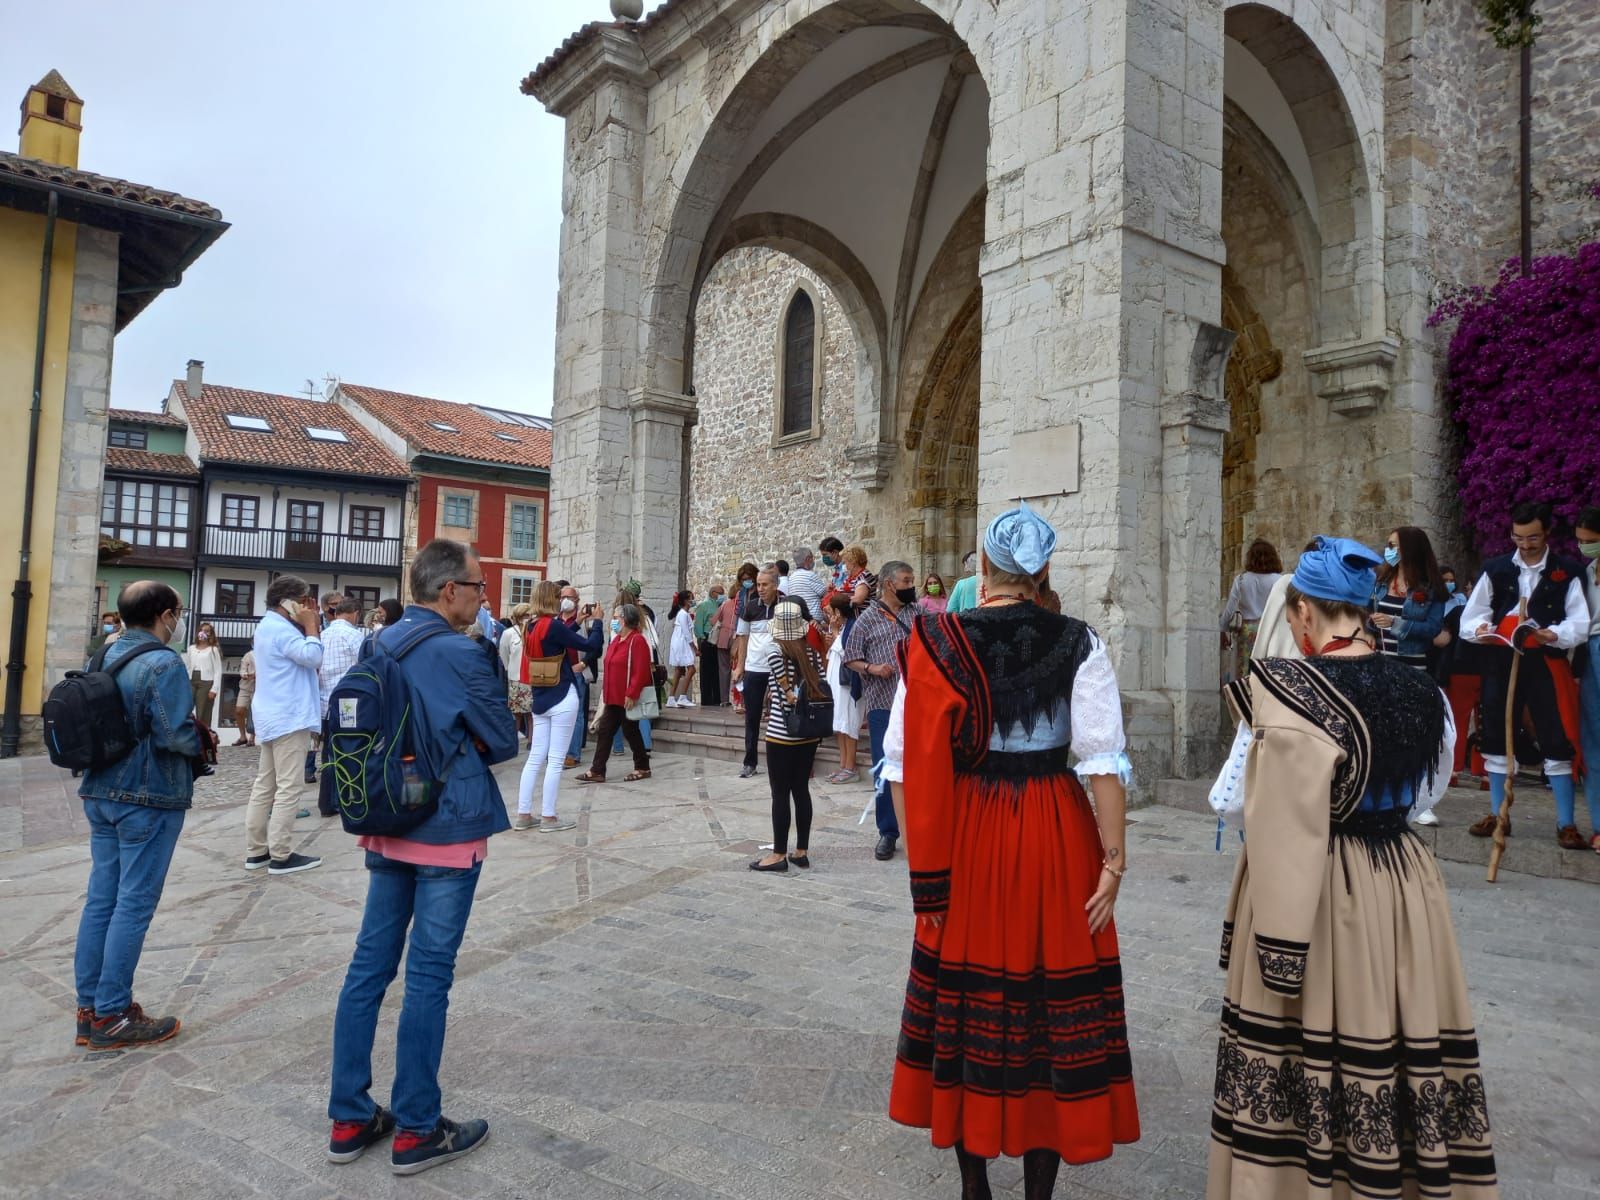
[
  {"x": 789, "y": 773},
  {"x": 611, "y": 716},
  {"x": 755, "y": 704},
  {"x": 710, "y": 683},
  {"x": 1536, "y": 692}
]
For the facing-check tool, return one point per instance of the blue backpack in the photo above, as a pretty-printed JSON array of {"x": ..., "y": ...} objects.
[{"x": 372, "y": 775}]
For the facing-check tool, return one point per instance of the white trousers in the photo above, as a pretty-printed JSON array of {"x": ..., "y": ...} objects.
[{"x": 552, "y": 734}]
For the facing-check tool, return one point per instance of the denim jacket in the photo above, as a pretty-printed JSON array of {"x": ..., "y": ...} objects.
[
  {"x": 160, "y": 704},
  {"x": 1417, "y": 625},
  {"x": 456, "y": 697}
]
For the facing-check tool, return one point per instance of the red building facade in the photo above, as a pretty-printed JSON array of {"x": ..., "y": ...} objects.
[{"x": 482, "y": 475}]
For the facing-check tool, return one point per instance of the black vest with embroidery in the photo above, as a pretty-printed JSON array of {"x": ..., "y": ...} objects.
[
  {"x": 1548, "y": 604},
  {"x": 1015, "y": 665}
]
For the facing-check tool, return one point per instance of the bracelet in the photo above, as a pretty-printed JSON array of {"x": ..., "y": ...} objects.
[{"x": 1106, "y": 866}]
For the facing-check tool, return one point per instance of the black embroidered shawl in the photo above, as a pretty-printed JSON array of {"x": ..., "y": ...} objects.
[
  {"x": 1387, "y": 715},
  {"x": 1013, "y": 663}
]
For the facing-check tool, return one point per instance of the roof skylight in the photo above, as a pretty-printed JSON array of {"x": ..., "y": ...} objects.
[
  {"x": 444, "y": 426},
  {"x": 241, "y": 421},
  {"x": 318, "y": 434},
  {"x": 506, "y": 437}
]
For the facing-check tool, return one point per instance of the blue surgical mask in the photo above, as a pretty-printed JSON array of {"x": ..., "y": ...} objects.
[
  {"x": 616, "y": 627},
  {"x": 1450, "y": 586},
  {"x": 829, "y": 560},
  {"x": 1391, "y": 556},
  {"x": 747, "y": 584},
  {"x": 107, "y": 628}
]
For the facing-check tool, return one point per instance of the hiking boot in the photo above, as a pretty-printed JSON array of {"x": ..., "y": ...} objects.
[
  {"x": 1568, "y": 838},
  {"x": 295, "y": 862},
  {"x": 85, "y": 1026},
  {"x": 1484, "y": 826},
  {"x": 350, "y": 1139},
  {"x": 130, "y": 1027},
  {"x": 415, "y": 1152},
  {"x": 523, "y": 823}
]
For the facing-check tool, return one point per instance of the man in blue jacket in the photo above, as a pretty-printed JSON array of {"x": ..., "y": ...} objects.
[
  {"x": 425, "y": 880},
  {"x": 135, "y": 810}
]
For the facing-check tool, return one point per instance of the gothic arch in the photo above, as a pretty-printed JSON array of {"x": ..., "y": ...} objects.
[
  {"x": 1319, "y": 82},
  {"x": 815, "y": 331}
]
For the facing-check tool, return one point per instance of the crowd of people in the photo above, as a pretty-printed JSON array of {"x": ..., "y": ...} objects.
[
  {"x": 997, "y": 753},
  {"x": 1533, "y": 603}
]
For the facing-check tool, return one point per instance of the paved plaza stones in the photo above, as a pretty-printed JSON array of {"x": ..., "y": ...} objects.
[{"x": 638, "y": 1015}]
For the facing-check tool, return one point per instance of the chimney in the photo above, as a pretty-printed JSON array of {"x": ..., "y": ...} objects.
[
  {"x": 196, "y": 379},
  {"x": 52, "y": 120}
]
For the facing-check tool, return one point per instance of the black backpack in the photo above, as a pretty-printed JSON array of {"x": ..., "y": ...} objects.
[{"x": 85, "y": 724}]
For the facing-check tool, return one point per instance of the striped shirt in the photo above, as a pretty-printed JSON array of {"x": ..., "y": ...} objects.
[
  {"x": 1392, "y": 606},
  {"x": 785, "y": 680}
]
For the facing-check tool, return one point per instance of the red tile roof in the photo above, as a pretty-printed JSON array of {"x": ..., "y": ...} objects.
[
  {"x": 146, "y": 417},
  {"x": 119, "y": 458},
  {"x": 288, "y": 445},
  {"x": 104, "y": 185},
  {"x": 474, "y": 435},
  {"x": 582, "y": 38}
]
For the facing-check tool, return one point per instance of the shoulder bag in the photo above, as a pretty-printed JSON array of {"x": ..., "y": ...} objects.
[
  {"x": 803, "y": 717},
  {"x": 541, "y": 672},
  {"x": 648, "y": 706}
]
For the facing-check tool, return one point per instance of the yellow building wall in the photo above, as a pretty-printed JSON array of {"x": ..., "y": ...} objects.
[{"x": 21, "y": 248}]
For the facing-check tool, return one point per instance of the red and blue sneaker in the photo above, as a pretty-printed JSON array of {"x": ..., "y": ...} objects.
[
  {"x": 350, "y": 1139},
  {"x": 415, "y": 1152}
]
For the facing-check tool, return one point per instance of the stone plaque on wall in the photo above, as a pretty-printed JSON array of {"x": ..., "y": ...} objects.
[{"x": 1044, "y": 462}]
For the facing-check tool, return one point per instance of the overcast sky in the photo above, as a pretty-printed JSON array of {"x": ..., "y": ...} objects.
[{"x": 395, "y": 200}]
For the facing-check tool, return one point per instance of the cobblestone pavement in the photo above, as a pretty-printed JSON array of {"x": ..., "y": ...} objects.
[{"x": 638, "y": 1015}]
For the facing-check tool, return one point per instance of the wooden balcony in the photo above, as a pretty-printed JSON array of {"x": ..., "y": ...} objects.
[{"x": 334, "y": 551}]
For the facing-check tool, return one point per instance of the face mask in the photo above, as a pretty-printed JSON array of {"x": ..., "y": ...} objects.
[
  {"x": 906, "y": 595},
  {"x": 747, "y": 584},
  {"x": 568, "y": 604},
  {"x": 107, "y": 628},
  {"x": 1391, "y": 555},
  {"x": 172, "y": 630},
  {"x": 935, "y": 589},
  {"x": 1450, "y": 584},
  {"x": 1589, "y": 549},
  {"x": 201, "y": 637},
  {"x": 829, "y": 560},
  {"x": 616, "y": 627}
]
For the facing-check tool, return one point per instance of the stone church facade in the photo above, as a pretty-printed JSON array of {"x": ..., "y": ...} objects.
[{"x": 878, "y": 268}]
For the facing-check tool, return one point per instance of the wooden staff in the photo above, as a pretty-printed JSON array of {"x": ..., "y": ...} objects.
[{"x": 1502, "y": 823}]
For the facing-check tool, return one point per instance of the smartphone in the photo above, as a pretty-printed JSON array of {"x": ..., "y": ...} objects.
[{"x": 293, "y": 609}]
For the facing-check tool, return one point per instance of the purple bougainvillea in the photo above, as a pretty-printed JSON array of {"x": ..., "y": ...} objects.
[{"x": 1523, "y": 383}]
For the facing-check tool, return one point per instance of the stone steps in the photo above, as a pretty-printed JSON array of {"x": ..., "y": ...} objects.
[{"x": 718, "y": 733}]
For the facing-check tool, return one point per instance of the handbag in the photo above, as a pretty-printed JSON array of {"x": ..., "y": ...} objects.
[
  {"x": 546, "y": 671},
  {"x": 805, "y": 718},
  {"x": 645, "y": 708}
]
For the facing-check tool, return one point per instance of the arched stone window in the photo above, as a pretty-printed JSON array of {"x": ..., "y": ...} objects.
[{"x": 799, "y": 371}]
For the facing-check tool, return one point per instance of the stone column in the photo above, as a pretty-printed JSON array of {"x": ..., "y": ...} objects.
[
  {"x": 593, "y": 477},
  {"x": 1104, "y": 217},
  {"x": 75, "y": 552},
  {"x": 659, "y": 420}
]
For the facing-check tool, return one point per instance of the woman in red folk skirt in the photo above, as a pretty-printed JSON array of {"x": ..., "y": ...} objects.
[{"x": 1013, "y": 1039}]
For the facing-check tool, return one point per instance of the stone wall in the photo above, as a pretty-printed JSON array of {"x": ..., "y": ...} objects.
[{"x": 750, "y": 499}]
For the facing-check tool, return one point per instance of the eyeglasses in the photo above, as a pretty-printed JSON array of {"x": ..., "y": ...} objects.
[
  {"x": 480, "y": 584},
  {"x": 1528, "y": 539}
]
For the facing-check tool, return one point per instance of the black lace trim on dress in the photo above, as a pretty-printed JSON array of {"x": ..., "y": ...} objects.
[
  {"x": 930, "y": 891},
  {"x": 1299, "y": 686},
  {"x": 945, "y": 642},
  {"x": 1227, "y": 945},
  {"x": 1405, "y": 708},
  {"x": 1282, "y": 963},
  {"x": 1029, "y": 656}
]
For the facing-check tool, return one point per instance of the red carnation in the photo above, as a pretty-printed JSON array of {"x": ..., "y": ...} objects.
[
  {"x": 1420, "y": 596},
  {"x": 1558, "y": 576}
]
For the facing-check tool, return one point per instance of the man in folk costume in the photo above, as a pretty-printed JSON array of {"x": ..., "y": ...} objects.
[
  {"x": 1347, "y": 1064},
  {"x": 1546, "y": 689}
]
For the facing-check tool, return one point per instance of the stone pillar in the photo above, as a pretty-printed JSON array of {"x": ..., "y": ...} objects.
[
  {"x": 659, "y": 420},
  {"x": 75, "y": 548},
  {"x": 1103, "y": 220},
  {"x": 593, "y": 476}
]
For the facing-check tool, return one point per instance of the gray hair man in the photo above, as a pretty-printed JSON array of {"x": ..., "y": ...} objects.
[
  {"x": 805, "y": 584},
  {"x": 873, "y": 653}
]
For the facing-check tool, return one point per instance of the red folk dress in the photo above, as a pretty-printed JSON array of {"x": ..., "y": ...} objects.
[{"x": 1013, "y": 1036}]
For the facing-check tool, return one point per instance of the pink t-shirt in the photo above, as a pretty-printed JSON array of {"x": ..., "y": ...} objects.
[{"x": 424, "y": 854}]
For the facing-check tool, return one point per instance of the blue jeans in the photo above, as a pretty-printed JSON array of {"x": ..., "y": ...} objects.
[
  {"x": 581, "y": 729},
  {"x": 644, "y": 732},
  {"x": 435, "y": 903},
  {"x": 877, "y": 726},
  {"x": 1589, "y": 729},
  {"x": 130, "y": 849}
]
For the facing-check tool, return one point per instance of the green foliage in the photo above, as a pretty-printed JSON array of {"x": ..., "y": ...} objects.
[{"x": 1511, "y": 23}]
